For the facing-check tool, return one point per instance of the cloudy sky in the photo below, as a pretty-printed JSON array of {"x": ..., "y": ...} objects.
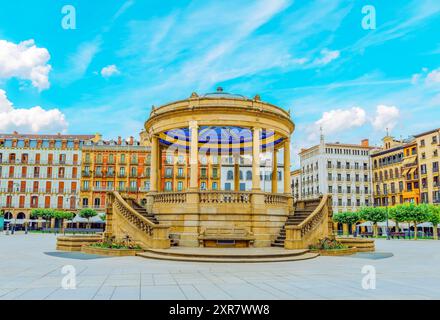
[{"x": 313, "y": 58}]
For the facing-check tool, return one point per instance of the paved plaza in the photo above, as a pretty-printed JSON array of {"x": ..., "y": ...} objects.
[{"x": 31, "y": 268}]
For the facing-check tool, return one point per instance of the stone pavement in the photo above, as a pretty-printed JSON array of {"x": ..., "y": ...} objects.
[{"x": 30, "y": 268}]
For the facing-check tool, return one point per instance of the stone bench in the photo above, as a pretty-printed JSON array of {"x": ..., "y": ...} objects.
[{"x": 226, "y": 237}]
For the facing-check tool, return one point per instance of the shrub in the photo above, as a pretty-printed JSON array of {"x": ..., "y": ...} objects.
[{"x": 327, "y": 244}]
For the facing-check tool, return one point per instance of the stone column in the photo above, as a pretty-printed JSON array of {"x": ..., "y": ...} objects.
[
  {"x": 191, "y": 217},
  {"x": 275, "y": 171},
  {"x": 256, "y": 185},
  {"x": 194, "y": 156},
  {"x": 154, "y": 163},
  {"x": 236, "y": 172},
  {"x": 287, "y": 186}
]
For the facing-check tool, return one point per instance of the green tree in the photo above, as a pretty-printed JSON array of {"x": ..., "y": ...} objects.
[
  {"x": 417, "y": 214},
  {"x": 88, "y": 213},
  {"x": 434, "y": 218},
  {"x": 373, "y": 214},
  {"x": 397, "y": 213},
  {"x": 45, "y": 214},
  {"x": 62, "y": 215}
]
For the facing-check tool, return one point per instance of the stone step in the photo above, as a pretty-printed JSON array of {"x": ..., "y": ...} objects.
[{"x": 238, "y": 259}]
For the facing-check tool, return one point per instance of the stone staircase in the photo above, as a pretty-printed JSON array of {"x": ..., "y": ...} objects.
[
  {"x": 298, "y": 216},
  {"x": 127, "y": 218},
  {"x": 150, "y": 216},
  {"x": 142, "y": 210}
]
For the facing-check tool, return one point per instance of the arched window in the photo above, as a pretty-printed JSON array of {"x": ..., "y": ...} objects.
[
  {"x": 230, "y": 175},
  {"x": 241, "y": 175},
  {"x": 249, "y": 175},
  {"x": 21, "y": 215},
  {"x": 8, "y": 215}
]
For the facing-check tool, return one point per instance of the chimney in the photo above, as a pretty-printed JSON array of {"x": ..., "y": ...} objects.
[
  {"x": 365, "y": 143},
  {"x": 119, "y": 140},
  {"x": 131, "y": 141}
]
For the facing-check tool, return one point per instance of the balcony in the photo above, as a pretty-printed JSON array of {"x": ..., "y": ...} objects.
[
  {"x": 122, "y": 175},
  {"x": 85, "y": 174}
]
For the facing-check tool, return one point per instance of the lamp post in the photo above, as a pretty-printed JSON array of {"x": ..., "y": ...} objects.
[{"x": 388, "y": 233}]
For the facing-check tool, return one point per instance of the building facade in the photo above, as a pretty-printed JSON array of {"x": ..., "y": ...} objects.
[
  {"x": 428, "y": 150},
  {"x": 295, "y": 177},
  {"x": 122, "y": 166},
  {"x": 388, "y": 176},
  {"x": 342, "y": 170},
  {"x": 39, "y": 171}
]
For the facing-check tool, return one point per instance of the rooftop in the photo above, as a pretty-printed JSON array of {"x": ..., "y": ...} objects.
[{"x": 16, "y": 135}]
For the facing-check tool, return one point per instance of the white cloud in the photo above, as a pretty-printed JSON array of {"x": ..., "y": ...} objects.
[
  {"x": 327, "y": 56},
  {"x": 338, "y": 120},
  {"x": 433, "y": 77},
  {"x": 385, "y": 117},
  {"x": 25, "y": 61},
  {"x": 109, "y": 71},
  {"x": 79, "y": 62},
  {"x": 33, "y": 120}
]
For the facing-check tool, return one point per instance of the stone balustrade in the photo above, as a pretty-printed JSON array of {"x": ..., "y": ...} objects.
[
  {"x": 124, "y": 221},
  {"x": 317, "y": 225},
  {"x": 271, "y": 198},
  {"x": 225, "y": 197},
  {"x": 170, "y": 197}
]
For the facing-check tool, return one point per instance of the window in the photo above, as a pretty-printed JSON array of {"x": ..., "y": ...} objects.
[
  {"x": 203, "y": 186},
  {"x": 230, "y": 175},
  {"x": 168, "y": 186},
  {"x": 249, "y": 175},
  {"x": 179, "y": 186},
  {"x": 330, "y": 189},
  {"x": 214, "y": 186},
  {"x": 227, "y": 186}
]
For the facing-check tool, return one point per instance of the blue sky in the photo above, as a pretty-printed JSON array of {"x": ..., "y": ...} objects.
[{"x": 312, "y": 57}]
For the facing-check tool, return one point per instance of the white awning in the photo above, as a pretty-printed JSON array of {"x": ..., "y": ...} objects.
[{"x": 95, "y": 219}]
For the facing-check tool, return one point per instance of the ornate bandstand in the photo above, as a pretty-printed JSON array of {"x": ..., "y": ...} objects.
[
  {"x": 196, "y": 208},
  {"x": 212, "y": 127}
]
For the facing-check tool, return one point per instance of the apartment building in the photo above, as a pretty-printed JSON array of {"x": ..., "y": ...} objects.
[
  {"x": 342, "y": 170},
  {"x": 39, "y": 171},
  {"x": 388, "y": 179},
  {"x": 216, "y": 172},
  {"x": 410, "y": 173},
  {"x": 120, "y": 165},
  {"x": 428, "y": 150},
  {"x": 242, "y": 168},
  {"x": 295, "y": 177}
]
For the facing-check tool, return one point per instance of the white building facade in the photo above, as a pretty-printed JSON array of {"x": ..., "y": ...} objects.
[
  {"x": 342, "y": 170},
  {"x": 39, "y": 171}
]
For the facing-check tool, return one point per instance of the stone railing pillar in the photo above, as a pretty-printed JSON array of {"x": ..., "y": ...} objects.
[{"x": 256, "y": 183}]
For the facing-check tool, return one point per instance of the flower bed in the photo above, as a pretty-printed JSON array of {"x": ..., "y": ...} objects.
[
  {"x": 331, "y": 247},
  {"x": 109, "y": 251},
  {"x": 111, "y": 248}
]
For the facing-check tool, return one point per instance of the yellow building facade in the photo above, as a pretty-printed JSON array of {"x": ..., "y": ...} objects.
[
  {"x": 428, "y": 150},
  {"x": 388, "y": 182},
  {"x": 410, "y": 173},
  {"x": 122, "y": 166}
]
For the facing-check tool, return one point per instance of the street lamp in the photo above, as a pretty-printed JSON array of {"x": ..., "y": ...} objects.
[{"x": 388, "y": 233}]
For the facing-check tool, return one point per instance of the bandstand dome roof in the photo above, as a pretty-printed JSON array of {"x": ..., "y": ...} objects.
[{"x": 221, "y": 94}]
